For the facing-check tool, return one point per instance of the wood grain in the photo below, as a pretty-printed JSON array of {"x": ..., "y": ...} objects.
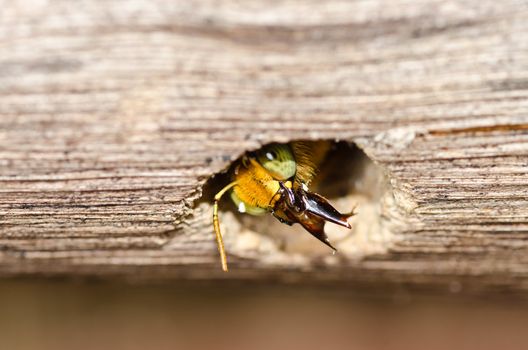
[{"x": 114, "y": 114}]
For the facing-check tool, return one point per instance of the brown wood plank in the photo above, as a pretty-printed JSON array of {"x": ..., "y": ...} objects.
[{"x": 113, "y": 116}]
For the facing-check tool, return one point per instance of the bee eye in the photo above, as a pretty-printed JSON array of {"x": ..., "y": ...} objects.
[
  {"x": 271, "y": 155},
  {"x": 278, "y": 160}
]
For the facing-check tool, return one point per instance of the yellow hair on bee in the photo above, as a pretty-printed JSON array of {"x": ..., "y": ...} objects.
[
  {"x": 308, "y": 156},
  {"x": 255, "y": 186}
]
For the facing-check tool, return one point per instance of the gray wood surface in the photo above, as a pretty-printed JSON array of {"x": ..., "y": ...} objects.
[{"x": 114, "y": 114}]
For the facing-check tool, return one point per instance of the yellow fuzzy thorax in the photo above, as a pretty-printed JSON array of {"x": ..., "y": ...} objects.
[{"x": 255, "y": 186}]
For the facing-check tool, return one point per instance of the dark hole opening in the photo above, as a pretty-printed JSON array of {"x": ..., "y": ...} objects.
[{"x": 347, "y": 177}]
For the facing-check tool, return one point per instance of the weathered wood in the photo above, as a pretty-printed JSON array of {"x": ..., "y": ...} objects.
[{"x": 114, "y": 114}]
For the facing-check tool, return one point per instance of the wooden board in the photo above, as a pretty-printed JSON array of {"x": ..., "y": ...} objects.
[{"x": 114, "y": 114}]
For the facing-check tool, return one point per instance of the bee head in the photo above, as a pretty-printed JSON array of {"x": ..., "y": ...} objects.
[{"x": 278, "y": 160}]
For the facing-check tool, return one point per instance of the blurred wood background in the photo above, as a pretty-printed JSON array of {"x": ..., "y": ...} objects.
[{"x": 114, "y": 114}]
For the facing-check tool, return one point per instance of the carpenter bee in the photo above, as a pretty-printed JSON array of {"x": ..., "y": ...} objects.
[{"x": 275, "y": 180}]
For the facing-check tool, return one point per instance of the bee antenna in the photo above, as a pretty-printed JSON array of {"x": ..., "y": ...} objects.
[{"x": 216, "y": 224}]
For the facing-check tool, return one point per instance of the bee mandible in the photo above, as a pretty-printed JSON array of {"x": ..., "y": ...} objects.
[{"x": 275, "y": 180}]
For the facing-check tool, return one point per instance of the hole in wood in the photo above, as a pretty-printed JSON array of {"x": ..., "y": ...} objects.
[{"x": 346, "y": 177}]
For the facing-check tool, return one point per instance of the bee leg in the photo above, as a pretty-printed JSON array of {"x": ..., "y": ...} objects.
[{"x": 216, "y": 224}]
